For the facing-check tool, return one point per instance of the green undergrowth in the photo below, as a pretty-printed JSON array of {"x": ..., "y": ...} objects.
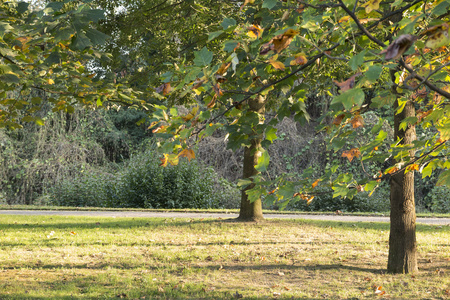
[
  {"x": 57, "y": 257},
  {"x": 195, "y": 210}
]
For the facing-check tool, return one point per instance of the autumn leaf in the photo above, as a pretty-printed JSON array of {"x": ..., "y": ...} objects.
[
  {"x": 169, "y": 159},
  {"x": 372, "y": 5},
  {"x": 352, "y": 153},
  {"x": 254, "y": 31},
  {"x": 198, "y": 83},
  {"x": 159, "y": 129},
  {"x": 50, "y": 81},
  {"x": 282, "y": 41},
  {"x": 347, "y": 84},
  {"x": 379, "y": 291},
  {"x": 299, "y": 60},
  {"x": 315, "y": 183},
  {"x": 191, "y": 114},
  {"x": 164, "y": 88},
  {"x": 276, "y": 64},
  {"x": 223, "y": 68},
  {"x": 338, "y": 120},
  {"x": 217, "y": 90},
  {"x": 344, "y": 19},
  {"x": 399, "y": 46},
  {"x": 413, "y": 167},
  {"x": 265, "y": 48},
  {"x": 438, "y": 36},
  {"x": 357, "y": 121},
  {"x": 73, "y": 233},
  {"x": 212, "y": 103},
  {"x": 188, "y": 153},
  {"x": 391, "y": 170}
]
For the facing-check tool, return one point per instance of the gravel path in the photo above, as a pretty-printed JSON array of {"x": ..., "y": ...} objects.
[{"x": 139, "y": 214}]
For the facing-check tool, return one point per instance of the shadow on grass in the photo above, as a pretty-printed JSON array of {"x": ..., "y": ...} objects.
[{"x": 70, "y": 222}]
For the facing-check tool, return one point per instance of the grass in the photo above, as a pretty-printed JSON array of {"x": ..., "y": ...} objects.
[
  {"x": 209, "y": 210},
  {"x": 55, "y": 257}
]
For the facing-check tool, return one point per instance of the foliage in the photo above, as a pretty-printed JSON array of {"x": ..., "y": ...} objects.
[
  {"x": 49, "y": 50},
  {"x": 143, "y": 183},
  {"x": 439, "y": 199},
  {"x": 35, "y": 158},
  {"x": 280, "y": 50}
]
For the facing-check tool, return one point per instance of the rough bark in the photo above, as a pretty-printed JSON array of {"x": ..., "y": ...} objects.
[
  {"x": 252, "y": 211},
  {"x": 402, "y": 239}
]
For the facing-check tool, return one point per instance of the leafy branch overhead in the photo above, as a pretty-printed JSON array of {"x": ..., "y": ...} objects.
[
  {"x": 281, "y": 50},
  {"x": 48, "y": 51}
]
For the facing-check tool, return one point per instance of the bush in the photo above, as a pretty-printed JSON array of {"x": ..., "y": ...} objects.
[
  {"x": 145, "y": 184},
  {"x": 87, "y": 189},
  {"x": 439, "y": 199}
]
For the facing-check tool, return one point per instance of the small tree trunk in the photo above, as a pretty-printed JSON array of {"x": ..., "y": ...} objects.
[
  {"x": 402, "y": 238},
  {"x": 252, "y": 211}
]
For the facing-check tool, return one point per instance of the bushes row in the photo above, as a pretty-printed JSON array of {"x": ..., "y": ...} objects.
[{"x": 144, "y": 184}]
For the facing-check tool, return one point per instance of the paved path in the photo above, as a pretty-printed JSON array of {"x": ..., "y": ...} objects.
[{"x": 141, "y": 214}]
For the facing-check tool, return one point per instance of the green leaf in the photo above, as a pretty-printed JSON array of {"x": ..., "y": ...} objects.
[
  {"x": 80, "y": 42},
  {"x": 349, "y": 98},
  {"x": 271, "y": 134},
  {"x": 269, "y": 4},
  {"x": 9, "y": 78},
  {"x": 357, "y": 60},
  {"x": 444, "y": 179},
  {"x": 96, "y": 37},
  {"x": 263, "y": 161},
  {"x": 4, "y": 28},
  {"x": 407, "y": 121},
  {"x": 52, "y": 59},
  {"x": 214, "y": 34},
  {"x": 373, "y": 73},
  {"x": 382, "y": 100},
  {"x": 441, "y": 8},
  {"x": 230, "y": 45},
  {"x": 22, "y": 7},
  {"x": 228, "y": 22},
  {"x": 94, "y": 15},
  {"x": 203, "y": 57}
]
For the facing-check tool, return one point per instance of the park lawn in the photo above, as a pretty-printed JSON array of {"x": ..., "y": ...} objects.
[{"x": 56, "y": 257}]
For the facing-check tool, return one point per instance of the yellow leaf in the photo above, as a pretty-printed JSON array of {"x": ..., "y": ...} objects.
[
  {"x": 254, "y": 31},
  {"x": 191, "y": 114},
  {"x": 188, "y": 153},
  {"x": 344, "y": 19},
  {"x": 299, "y": 60},
  {"x": 50, "y": 81},
  {"x": 372, "y": 5},
  {"x": 438, "y": 36},
  {"x": 277, "y": 64}
]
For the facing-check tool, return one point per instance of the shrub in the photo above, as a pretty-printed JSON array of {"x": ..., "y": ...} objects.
[
  {"x": 87, "y": 189},
  {"x": 144, "y": 184},
  {"x": 439, "y": 198}
]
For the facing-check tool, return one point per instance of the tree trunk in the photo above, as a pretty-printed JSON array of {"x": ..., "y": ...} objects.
[
  {"x": 252, "y": 211},
  {"x": 402, "y": 238}
]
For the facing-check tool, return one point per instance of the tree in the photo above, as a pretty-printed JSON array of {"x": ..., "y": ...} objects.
[
  {"x": 278, "y": 49},
  {"x": 49, "y": 50}
]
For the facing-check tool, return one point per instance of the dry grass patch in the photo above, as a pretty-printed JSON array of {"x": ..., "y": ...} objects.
[{"x": 102, "y": 258}]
